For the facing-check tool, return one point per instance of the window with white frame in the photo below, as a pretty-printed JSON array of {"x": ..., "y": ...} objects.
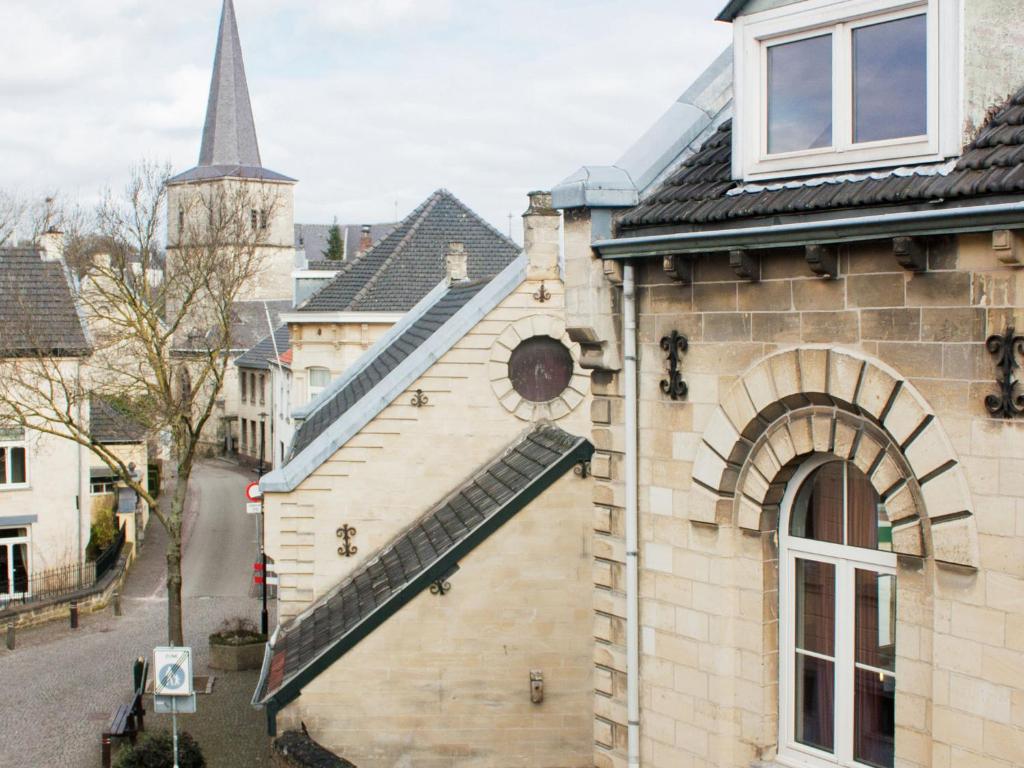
[
  {"x": 837, "y": 637},
  {"x": 823, "y": 86},
  {"x": 318, "y": 379},
  {"x": 102, "y": 484},
  {"x": 13, "y": 458}
]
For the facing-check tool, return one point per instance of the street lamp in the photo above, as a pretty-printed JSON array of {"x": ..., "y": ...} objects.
[{"x": 264, "y": 616}]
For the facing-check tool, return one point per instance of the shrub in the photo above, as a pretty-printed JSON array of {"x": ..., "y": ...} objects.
[
  {"x": 101, "y": 534},
  {"x": 156, "y": 750},
  {"x": 237, "y": 631}
]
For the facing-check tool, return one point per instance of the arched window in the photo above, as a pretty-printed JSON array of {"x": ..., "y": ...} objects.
[{"x": 837, "y": 637}]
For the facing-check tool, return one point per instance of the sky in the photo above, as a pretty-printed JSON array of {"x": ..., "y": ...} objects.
[{"x": 370, "y": 104}]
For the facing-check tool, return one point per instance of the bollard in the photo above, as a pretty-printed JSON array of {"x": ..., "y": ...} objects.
[
  {"x": 10, "y": 636},
  {"x": 74, "y": 614},
  {"x": 117, "y": 603}
]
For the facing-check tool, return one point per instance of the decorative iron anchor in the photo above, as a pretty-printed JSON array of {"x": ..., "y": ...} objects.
[
  {"x": 542, "y": 294},
  {"x": 419, "y": 399},
  {"x": 347, "y": 532},
  {"x": 1010, "y": 401},
  {"x": 675, "y": 344},
  {"x": 440, "y": 587}
]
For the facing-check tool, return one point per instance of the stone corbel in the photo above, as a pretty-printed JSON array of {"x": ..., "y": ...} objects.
[
  {"x": 1004, "y": 245},
  {"x": 746, "y": 265},
  {"x": 822, "y": 259},
  {"x": 679, "y": 268},
  {"x": 911, "y": 253}
]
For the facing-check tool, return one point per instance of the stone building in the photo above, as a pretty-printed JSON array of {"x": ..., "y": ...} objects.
[
  {"x": 799, "y": 318},
  {"x": 432, "y": 537}
]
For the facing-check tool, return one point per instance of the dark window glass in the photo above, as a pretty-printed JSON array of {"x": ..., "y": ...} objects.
[
  {"x": 540, "y": 368},
  {"x": 3, "y": 466},
  {"x": 18, "y": 465},
  {"x": 815, "y": 607},
  {"x": 876, "y": 620},
  {"x": 800, "y": 95},
  {"x": 5, "y": 569},
  {"x": 874, "y": 718},
  {"x": 890, "y": 84},
  {"x": 867, "y": 524},
  {"x": 19, "y": 562},
  {"x": 818, "y": 509},
  {"x": 815, "y": 702}
]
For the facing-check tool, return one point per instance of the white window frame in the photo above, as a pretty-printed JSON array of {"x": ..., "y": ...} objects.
[
  {"x": 314, "y": 392},
  {"x": 4, "y": 484},
  {"x": 846, "y": 560},
  {"x": 105, "y": 480},
  {"x": 14, "y": 540},
  {"x": 755, "y": 33}
]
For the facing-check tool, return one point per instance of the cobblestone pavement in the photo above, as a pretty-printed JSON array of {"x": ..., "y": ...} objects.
[{"x": 59, "y": 685}]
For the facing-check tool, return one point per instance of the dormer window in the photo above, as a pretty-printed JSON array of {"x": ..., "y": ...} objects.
[{"x": 823, "y": 86}]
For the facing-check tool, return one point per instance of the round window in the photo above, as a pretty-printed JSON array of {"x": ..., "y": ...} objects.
[{"x": 540, "y": 369}]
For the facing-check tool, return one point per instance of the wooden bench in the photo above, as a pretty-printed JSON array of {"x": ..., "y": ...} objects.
[{"x": 128, "y": 720}]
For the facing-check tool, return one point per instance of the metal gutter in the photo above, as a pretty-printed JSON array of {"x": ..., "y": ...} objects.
[
  {"x": 632, "y": 518},
  {"x": 290, "y": 689},
  {"x": 341, "y": 317},
  {"x": 969, "y": 218}
]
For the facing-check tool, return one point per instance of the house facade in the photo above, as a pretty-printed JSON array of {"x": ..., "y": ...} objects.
[
  {"x": 799, "y": 320},
  {"x": 430, "y": 529}
]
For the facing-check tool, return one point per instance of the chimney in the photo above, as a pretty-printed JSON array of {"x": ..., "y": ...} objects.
[
  {"x": 365, "y": 241},
  {"x": 51, "y": 245},
  {"x": 456, "y": 263},
  {"x": 541, "y": 226}
]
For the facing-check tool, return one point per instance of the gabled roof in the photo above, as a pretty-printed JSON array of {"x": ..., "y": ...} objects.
[
  {"x": 229, "y": 148},
  {"x": 38, "y": 311},
  {"x": 403, "y": 267},
  {"x": 249, "y": 321},
  {"x": 312, "y": 239},
  {"x": 387, "y": 369},
  {"x": 428, "y": 550},
  {"x": 267, "y": 349},
  {"x": 703, "y": 192},
  {"x": 109, "y": 426}
]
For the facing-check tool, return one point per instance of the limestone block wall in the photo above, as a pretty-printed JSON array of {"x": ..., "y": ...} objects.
[
  {"x": 446, "y": 681},
  {"x": 407, "y": 458},
  {"x": 881, "y": 365}
]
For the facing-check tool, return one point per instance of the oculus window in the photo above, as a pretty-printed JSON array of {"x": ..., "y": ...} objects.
[
  {"x": 838, "y": 621},
  {"x": 846, "y": 86},
  {"x": 540, "y": 369}
]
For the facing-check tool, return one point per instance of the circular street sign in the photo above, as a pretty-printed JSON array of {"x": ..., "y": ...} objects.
[{"x": 253, "y": 492}]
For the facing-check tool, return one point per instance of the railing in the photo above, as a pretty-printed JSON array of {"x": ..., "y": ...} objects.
[{"x": 65, "y": 580}]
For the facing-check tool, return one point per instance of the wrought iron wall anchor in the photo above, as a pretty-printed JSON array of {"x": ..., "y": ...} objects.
[
  {"x": 440, "y": 587},
  {"x": 1010, "y": 401},
  {"x": 542, "y": 294},
  {"x": 419, "y": 399},
  {"x": 582, "y": 469},
  {"x": 347, "y": 533},
  {"x": 675, "y": 344}
]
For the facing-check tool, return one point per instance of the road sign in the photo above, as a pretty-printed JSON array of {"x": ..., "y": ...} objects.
[
  {"x": 253, "y": 492},
  {"x": 253, "y": 508},
  {"x": 174, "y": 705},
  {"x": 173, "y": 676}
]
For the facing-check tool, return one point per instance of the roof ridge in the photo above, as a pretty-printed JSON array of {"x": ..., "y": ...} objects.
[
  {"x": 399, "y": 248},
  {"x": 494, "y": 230}
]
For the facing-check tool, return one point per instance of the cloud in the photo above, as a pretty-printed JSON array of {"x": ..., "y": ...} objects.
[{"x": 366, "y": 102}]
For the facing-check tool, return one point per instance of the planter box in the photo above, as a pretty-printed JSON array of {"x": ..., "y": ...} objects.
[{"x": 235, "y": 658}]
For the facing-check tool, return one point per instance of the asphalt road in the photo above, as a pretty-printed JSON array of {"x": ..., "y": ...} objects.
[{"x": 59, "y": 685}]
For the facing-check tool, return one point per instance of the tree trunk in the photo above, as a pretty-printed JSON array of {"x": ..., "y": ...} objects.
[{"x": 175, "y": 522}]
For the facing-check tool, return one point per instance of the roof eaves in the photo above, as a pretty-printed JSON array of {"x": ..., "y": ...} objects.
[
  {"x": 292, "y": 687},
  {"x": 731, "y": 11},
  {"x": 397, "y": 381}
]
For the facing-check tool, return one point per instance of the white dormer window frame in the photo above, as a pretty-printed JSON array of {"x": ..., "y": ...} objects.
[{"x": 755, "y": 34}]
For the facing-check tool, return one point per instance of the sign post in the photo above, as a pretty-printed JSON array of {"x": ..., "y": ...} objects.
[{"x": 172, "y": 686}]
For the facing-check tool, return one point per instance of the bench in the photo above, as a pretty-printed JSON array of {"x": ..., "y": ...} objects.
[{"x": 128, "y": 720}]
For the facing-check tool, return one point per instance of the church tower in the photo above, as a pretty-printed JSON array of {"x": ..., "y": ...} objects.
[{"x": 230, "y": 172}]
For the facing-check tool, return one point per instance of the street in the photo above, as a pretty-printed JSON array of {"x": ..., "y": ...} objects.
[{"x": 60, "y": 685}]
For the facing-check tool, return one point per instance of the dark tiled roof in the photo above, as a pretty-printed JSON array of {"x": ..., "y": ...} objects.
[
  {"x": 249, "y": 324},
  {"x": 406, "y": 265},
  {"x": 109, "y": 426},
  {"x": 430, "y": 549},
  {"x": 312, "y": 240},
  {"x": 389, "y": 358},
  {"x": 697, "y": 194},
  {"x": 299, "y": 750},
  {"x": 38, "y": 313},
  {"x": 261, "y": 355}
]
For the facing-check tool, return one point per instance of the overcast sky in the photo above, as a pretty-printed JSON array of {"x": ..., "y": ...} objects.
[{"x": 368, "y": 103}]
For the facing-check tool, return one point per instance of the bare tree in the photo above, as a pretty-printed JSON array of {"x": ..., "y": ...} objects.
[{"x": 159, "y": 347}]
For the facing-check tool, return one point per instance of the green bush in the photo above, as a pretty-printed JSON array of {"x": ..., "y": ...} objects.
[
  {"x": 155, "y": 750},
  {"x": 101, "y": 534}
]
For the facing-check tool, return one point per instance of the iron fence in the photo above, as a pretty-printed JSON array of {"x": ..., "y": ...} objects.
[{"x": 57, "y": 582}]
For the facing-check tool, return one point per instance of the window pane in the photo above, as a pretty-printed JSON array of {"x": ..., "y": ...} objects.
[
  {"x": 5, "y": 565},
  {"x": 815, "y": 606},
  {"x": 17, "y": 465},
  {"x": 818, "y": 510},
  {"x": 800, "y": 95},
  {"x": 876, "y": 620},
  {"x": 868, "y": 525},
  {"x": 19, "y": 560},
  {"x": 890, "y": 89},
  {"x": 3, "y": 466},
  {"x": 319, "y": 377},
  {"x": 814, "y": 702},
  {"x": 874, "y": 711}
]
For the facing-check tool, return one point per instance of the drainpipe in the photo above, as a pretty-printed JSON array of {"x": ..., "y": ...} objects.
[{"x": 632, "y": 520}]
